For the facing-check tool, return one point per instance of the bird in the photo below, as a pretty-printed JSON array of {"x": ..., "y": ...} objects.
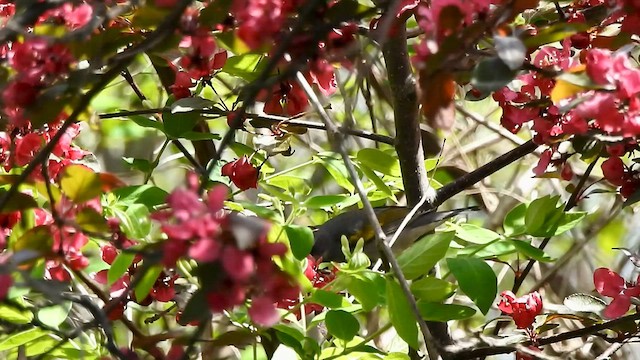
[{"x": 354, "y": 224}]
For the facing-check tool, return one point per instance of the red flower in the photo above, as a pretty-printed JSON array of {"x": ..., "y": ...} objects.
[
  {"x": 242, "y": 173},
  {"x": 5, "y": 283},
  {"x": 609, "y": 283},
  {"x": 613, "y": 171},
  {"x": 523, "y": 310}
]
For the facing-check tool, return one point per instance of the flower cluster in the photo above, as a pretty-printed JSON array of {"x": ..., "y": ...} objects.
[
  {"x": 200, "y": 57},
  {"x": 523, "y": 310},
  {"x": 442, "y": 18},
  {"x": 163, "y": 289},
  {"x": 610, "y": 284},
  {"x": 319, "y": 278},
  {"x": 21, "y": 147},
  {"x": 260, "y": 21},
  {"x": 233, "y": 247},
  {"x": 38, "y": 64},
  {"x": 68, "y": 240}
]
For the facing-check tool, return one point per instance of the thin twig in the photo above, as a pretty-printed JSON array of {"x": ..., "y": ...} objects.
[
  {"x": 448, "y": 191},
  {"x": 336, "y": 141},
  {"x": 273, "y": 119},
  {"x": 482, "y": 351}
]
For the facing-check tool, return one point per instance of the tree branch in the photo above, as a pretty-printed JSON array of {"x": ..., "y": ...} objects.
[
  {"x": 407, "y": 118},
  {"x": 265, "y": 118},
  {"x": 448, "y": 191}
]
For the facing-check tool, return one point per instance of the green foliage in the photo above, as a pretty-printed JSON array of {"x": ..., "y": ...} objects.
[
  {"x": 400, "y": 313},
  {"x": 300, "y": 240},
  {"x": 476, "y": 279},
  {"x": 424, "y": 255}
]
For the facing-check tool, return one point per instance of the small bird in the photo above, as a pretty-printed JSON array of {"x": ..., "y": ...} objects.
[{"x": 355, "y": 224}]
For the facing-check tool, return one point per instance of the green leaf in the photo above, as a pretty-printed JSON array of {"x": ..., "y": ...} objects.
[
  {"x": 147, "y": 195},
  {"x": 146, "y": 283},
  {"x": 514, "y": 221},
  {"x": 432, "y": 311},
  {"x": 138, "y": 225},
  {"x": 183, "y": 116},
  {"x": 418, "y": 259},
  {"x": 195, "y": 136},
  {"x": 37, "y": 239},
  {"x": 376, "y": 180},
  {"x": 147, "y": 122},
  {"x": 532, "y": 252},
  {"x": 89, "y": 219},
  {"x": 143, "y": 165},
  {"x": 476, "y": 279},
  {"x": 400, "y": 314},
  {"x": 54, "y": 315},
  {"x": 379, "y": 161},
  {"x": 14, "y": 315},
  {"x": 396, "y": 356},
  {"x": 542, "y": 216},
  {"x": 569, "y": 221},
  {"x": 80, "y": 183},
  {"x": 555, "y": 32},
  {"x": 498, "y": 248},
  {"x": 366, "y": 286},
  {"x": 41, "y": 345},
  {"x": 290, "y": 336},
  {"x": 18, "y": 202},
  {"x": 328, "y": 299},
  {"x": 120, "y": 266},
  {"x": 475, "y": 234},
  {"x": 341, "y": 324},
  {"x": 196, "y": 309},
  {"x": 324, "y": 201},
  {"x": 300, "y": 240},
  {"x": 245, "y": 66},
  {"x": 432, "y": 289},
  {"x": 21, "y": 338},
  {"x": 337, "y": 170},
  {"x": 215, "y": 13},
  {"x": 491, "y": 74}
]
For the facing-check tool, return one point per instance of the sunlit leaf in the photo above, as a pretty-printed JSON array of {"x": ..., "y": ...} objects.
[{"x": 80, "y": 183}]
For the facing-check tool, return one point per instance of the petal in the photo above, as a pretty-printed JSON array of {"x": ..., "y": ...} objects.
[
  {"x": 618, "y": 307},
  {"x": 263, "y": 311},
  {"x": 608, "y": 282}
]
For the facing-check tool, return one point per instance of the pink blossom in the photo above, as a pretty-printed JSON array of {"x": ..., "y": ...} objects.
[
  {"x": 598, "y": 62},
  {"x": 543, "y": 163},
  {"x": 263, "y": 311},
  {"x": 238, "y": 264}
]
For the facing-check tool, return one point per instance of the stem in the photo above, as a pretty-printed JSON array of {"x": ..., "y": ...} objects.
[{"x": 336, "y": 141}]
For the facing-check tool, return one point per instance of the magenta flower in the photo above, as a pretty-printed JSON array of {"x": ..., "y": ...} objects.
[{"x": 609, "y": 283}]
